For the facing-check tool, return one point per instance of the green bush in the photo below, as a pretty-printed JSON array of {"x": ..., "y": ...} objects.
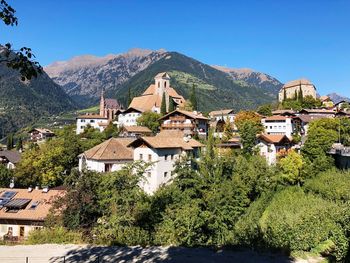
[
  {"x": 298, "y": 221},
  {"x": 58, "y": 235},
  {"x": 333, "y": 185}
]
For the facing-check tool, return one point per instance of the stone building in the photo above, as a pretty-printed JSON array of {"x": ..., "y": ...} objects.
[{"x": 292, "y": 88}]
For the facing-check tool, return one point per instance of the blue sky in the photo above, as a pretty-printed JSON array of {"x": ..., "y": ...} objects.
[{"x": 286, "y": 39}]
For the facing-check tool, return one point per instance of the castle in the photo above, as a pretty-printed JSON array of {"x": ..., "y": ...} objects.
[{"x": 293, "y": 88}]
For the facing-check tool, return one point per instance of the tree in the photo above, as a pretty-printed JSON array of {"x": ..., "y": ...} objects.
[
  {"x": 22, "y": 59},
  {"x": 243, "y": 116},
  {"x": 19, "y": 144},
  {"x": 5, "y": 176},
  {"x": 163, "y": 105},
  {"x": 10, "y": 141},
  {"x": 265, "y": 110},
  {"x": 248, "y": 131},
  {"x": 150, "y": 120},
  {"x": 300, "y": 94},
  {"x": 291, "y": 168},
  {"x": 228, "y": 131},
  {"x": 129, "y": 96},
  {"x": 193, "y": 98},
  {"x": 295, "y": 95},
  {"x": 171, "y": 104},
  {"x": 284, "y": 94},
  {"x": 310, "y": 102},
  {"x": 111, "y": 131}
]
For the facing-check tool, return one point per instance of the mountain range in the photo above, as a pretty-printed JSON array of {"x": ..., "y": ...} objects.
[
  {"x": 23, "y": 102},
  {"x": 84, "y": 77}
]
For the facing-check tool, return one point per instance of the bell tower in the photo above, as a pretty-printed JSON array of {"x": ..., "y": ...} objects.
[
  {"x": 102, "y": 104},
  {"x": 162, "y": 81}
]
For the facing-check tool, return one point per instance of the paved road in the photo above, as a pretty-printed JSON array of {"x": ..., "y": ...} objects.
[{"x": 82, "y": 253}]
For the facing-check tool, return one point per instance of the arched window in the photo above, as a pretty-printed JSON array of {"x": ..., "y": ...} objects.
[{"x": 165, "y": 84}]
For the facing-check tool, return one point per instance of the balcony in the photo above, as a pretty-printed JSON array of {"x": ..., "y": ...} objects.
[{"x": 178, "y": 126}]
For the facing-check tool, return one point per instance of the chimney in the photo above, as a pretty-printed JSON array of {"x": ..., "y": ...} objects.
[
  {"x": 30, "y": 189},
  {"x": 45, "y": 189}
]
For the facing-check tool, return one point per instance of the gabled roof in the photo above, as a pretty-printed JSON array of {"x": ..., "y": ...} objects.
[
  {"x": 162, "y": 75},
  {"x": 306, "y": 118},
  {"x": 283, "y": 112},
  {"x": 133, "y": 109},
  {"x": 275, "y": 118},
  {"x": 166, "y": 140},
  {"x": 322, "y": 111},
  {"x": 189, "y": 114},
  {"x": 221, "y": 112},
  {"x": 41, "y": 130},
  {"x": 40, "y": 212},
  {"x": 91, "y": 116},
  {"x": 297, "y": 82},
  {"x": 275, "y": 139},
  {"x": 113, "y": 149},
  {"x": 137, "y": 129},
  {"x": 12, "y": 156}
]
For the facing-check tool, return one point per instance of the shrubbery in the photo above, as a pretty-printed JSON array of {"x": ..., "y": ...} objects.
[{"x": 57, "y": 235}]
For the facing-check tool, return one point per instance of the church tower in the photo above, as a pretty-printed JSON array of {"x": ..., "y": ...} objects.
[
  {"x": 102, "y": 104},
  {"x": 162, "y": 82}
]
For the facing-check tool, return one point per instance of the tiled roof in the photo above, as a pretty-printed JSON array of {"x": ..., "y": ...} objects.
[
  {"x": 273, "y": 138},
  {"x": 112, "y": 104},
  {"x": 168, "y": 140},
  {"x": 112, "y": 149},
  {"x": 42, "y": 130},
  {"x": 190, "y": 114},
  {"x": 323, "y": 111},
  {"x": 275, "y": 118},
  {"x": 280, "y": 112},
  {"x": 297, "y": 82},
  {"x": 13, "y": 156},
  {"x": 146, "y": 102},
  {"x": 37, "y": 214},
  {"x": 140, "y": 129},
  {"x": 91, "y": 116},
  {"x": 220, "y": 112},
  {"x": 308, "y": 118}
]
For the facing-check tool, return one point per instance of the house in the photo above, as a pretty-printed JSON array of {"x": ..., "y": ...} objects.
[
  {"x": 40, "y": 134},
  {"x": 326, "y": 102},
  {"x": 24, "y": 210},
  {"x": 292, "y": 89},
  {"x": 129, "y": 117},
  {"x": 109, "y": 156},
  {"x": 272, "y": 146},
  {"x": 341, "y": 155},
  {"x": 227, "y": 114},
  {"x": 302, "y": 121},
  {"x": 151, "y": 99},
  {"x": 134, "y": 131},
  {"x": 9, "y": 158},
  {"x": 162, "y": 151},
  {"x": 109, "y": 110},
  {"x": 284, "y": 112},
  {"x": 190, "y": 123},
  {"x": 278, "y": 125},
  {"x": 325, "y": 113}
]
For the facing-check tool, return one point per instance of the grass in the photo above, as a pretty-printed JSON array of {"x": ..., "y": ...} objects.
[
  {"x": 189, "y": 80},
  {"x": 93, "y": 109}
]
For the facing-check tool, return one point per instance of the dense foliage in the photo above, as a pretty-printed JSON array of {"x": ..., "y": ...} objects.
[{"x": 150, "y": 120}]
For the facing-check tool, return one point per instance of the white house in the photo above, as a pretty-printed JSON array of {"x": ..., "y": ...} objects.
[
  {"x": 227, "y": 114},
  {"x": 40, "y": 134},
  {"x": 9, "y": 158},
  {"x": 93, "y": 120},
  {"x": 129, "y": 117},
  {"x": 109, "y": 156},
  {"x": 278, "y": 125},
  {"x": 161, "y": 152},
  {"x": 24, "y": 210},
  {"x": 270, "y": 146}
]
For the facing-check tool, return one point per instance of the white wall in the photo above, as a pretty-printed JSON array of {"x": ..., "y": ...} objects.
[
  {"x": 128, "y": 119},
  {"x": 268, "y": 151},
  {"x": 83, "y": 123},
  {"x": 16, "y": 229},
  {"x": 278, "y": 127},
  {"x": 154, "y": 176},
  {"x": 99, "y": 166}
]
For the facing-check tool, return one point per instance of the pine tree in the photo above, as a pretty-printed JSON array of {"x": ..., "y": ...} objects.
[
  {"x": 19, "y": 144},
  {"x": 163, "y": 105},
  {"x": 228, "y": 131},
  {"x": 171, "y": 104},
  {"x": 295, "y": 95},
  {"x": 129, "y": 96},
  {"x": 300, "y": 94},
  {"x": 193, "y": 98},
  {"x": 284, "y": 94},
  {"x": 10, "y": 141}
]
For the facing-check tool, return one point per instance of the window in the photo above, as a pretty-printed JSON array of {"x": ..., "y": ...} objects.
[
  {"x": 172, "y": 157},
  {"x": 92, "y": 121},
  {"x": 34, "y": 205},
  {"x": 166, "y": 157},
  {"x": 165, "y": 174},
  {"x": 150, "y": 157},
  {"x": 82, "y": 120},
  {"x": 21, "y": 231},
  {"x": 141, "y": 156},
  {"x": 82, "y": 127},
  {"x": 108, "y": 167}
]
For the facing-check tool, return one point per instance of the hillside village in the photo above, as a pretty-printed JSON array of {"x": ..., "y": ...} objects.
[{"x": 182, "y": 132}]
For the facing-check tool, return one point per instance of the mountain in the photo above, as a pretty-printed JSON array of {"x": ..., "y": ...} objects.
[
  {"x": 336, "y": 97},
  {"x": 21, "y": 103},
  {"x": 215, "y": 89},
  {"x": 84, "y": 77},
  {"x": 257, "y": 79}
]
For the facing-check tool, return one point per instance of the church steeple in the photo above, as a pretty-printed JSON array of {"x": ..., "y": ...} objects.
[{"x": 102, "y": 103}]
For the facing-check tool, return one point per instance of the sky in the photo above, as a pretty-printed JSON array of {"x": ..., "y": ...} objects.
[{"x": 285, "y": 39}]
